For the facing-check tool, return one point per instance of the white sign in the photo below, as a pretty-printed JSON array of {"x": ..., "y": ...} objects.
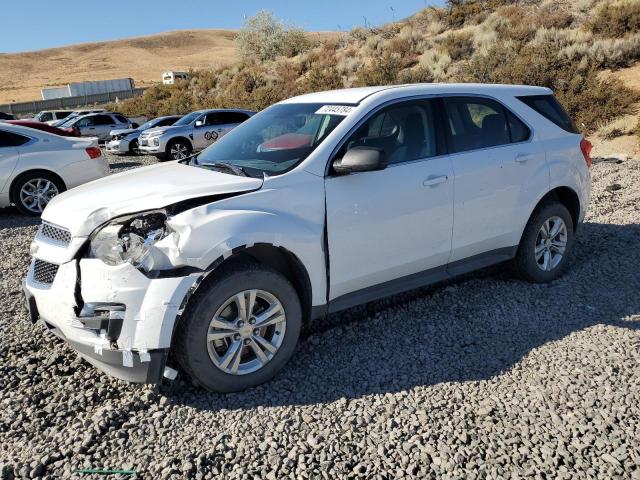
[{"x": 343, "y": 110}]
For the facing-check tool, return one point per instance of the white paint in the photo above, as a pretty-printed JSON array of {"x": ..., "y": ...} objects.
[{"x": 381, "y": 225}]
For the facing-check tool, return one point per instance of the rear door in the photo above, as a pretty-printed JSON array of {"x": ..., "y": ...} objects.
[
  {"x": 385, "y": 226},
  {"x": 493, "y": 159}
]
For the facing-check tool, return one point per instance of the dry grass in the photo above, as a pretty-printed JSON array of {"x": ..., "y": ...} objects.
[{"x": 22, "y": 75}]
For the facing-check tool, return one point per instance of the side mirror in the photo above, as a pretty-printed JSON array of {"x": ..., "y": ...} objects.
[
  {"x": 361, "y": 159},
  {"x": 134, "y": 125},
  {"x": 199, "y": 123}
]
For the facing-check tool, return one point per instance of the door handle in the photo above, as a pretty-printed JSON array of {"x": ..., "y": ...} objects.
[
  {"x": 433, "y": 181},
  {"x": 523, "y": 157}
]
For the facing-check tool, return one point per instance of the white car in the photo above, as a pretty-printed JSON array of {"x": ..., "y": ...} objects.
[
  {"x": 314, "y": 205},
  {"x": 35, "y": 166}
]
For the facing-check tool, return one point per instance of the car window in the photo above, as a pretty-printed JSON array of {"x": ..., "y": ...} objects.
[
  {"x": 85, "y": 122},
  {"x": 45, "y": 116},
  {"x": 550, "y": 108},
  {"x": 275, "y": 140},
  {"x": 60, "y": 115},
  {"x": 121, "y": 119},
  {"x": 405, "y": 132},
  {"x": 103, "y": 120},
  {"x": 475, "y": 123},
  {"x": 166, "y": 121},
  {"x": 213, "y": 119},
  {"x": 518, "y": 130},
  {"x": 9, "y": 139},
  {"x": 227, "y": 118}
]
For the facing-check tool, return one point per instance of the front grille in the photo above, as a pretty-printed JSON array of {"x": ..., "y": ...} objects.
[
  {"x": 54, "y": 234},
  {"x": 44, "y": 272}
]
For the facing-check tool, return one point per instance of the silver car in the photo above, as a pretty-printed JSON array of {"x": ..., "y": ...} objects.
[
  {"x": 97, "y": 124},
  {"x": 125, "y": 141},
  {"x": 192, "y": 133}
]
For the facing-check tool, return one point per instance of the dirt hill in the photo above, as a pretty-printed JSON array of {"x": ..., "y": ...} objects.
[{"x": 22, "y": 75}]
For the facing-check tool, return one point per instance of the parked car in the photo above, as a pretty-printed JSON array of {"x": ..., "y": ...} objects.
[
  {"x": 96, "y": 124},
  {"x": 221, "y": 258},
  {"x": 52, "y": 116},
  {"x": 35, "y": 166},
  {"x": 125, "y": 141},
  {"x": 6, "y": 116},
  {"x": 192, "y": 133},
  {"x": 77, "y": 113},
  {"x": 44, "y": 127}
]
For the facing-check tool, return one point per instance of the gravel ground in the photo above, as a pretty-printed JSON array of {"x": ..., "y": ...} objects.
[{"x": 484, "y": 377}]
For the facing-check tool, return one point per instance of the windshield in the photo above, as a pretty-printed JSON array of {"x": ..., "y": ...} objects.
[
  {"x": 275, "y": 140},
  {"x": 69, "y": 121},
  {"x": 187, "y": 119}
]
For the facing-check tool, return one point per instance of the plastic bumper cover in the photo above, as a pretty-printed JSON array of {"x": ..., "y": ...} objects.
[{"x": 124, "y": 323}]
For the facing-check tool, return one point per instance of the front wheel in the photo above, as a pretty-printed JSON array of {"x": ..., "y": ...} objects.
[
  {"x": 240, "y": 330},
  {"x": 178, "y": 150},
  {"x": 546, "y": 244},
  {"x": 133, "y": 148}
]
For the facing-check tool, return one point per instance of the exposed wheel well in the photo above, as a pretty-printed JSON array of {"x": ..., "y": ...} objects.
[
  {"x": 567, "y": 197},
  {"x": 29, "y": 172},
  {"x": 289, "y": 266}
]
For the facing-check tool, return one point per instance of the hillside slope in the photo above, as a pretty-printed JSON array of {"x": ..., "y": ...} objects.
[{"x": 22, "y": 75}]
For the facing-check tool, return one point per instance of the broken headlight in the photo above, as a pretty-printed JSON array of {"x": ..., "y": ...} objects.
[{"x": 129, "y": 239}]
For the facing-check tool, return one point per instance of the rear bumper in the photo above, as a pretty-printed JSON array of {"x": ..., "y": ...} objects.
[{"x": 85, "y": 171}]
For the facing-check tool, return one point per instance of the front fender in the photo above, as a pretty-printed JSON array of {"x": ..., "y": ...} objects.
[{"x": 205, "y": 234}]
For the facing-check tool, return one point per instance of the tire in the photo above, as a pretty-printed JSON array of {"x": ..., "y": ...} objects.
[
  {"x": 204, "y": 359},
  {"x": 133, "y": 147},
  {"x": 177, "y": 150},
  {"x": 532, "y": 265},
  {"x": 48, "y": 184}
]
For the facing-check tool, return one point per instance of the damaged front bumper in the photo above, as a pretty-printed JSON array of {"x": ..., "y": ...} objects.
[{"x": 115, "y": 317}]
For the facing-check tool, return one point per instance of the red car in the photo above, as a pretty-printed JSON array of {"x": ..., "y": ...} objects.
[{"x": 45, "y": 128}]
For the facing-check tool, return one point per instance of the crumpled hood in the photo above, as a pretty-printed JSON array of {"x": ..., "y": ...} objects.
[
  {"x": 123, "y": 131},
  {"x": 84, "y": 208}
]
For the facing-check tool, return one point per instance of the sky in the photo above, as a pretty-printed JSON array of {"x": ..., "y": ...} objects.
[{"x": 36, "y": 24}]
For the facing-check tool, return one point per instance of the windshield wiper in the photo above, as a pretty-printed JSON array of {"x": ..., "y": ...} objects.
[{"x": 236, "y": 170}]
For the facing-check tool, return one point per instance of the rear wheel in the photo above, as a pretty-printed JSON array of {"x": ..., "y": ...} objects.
[
  {"x": 32, "y": 192},
  {"x": 178, "y": 150},
  {"x": 240, "y": 330},
  {"x": 546, "y": 244}
]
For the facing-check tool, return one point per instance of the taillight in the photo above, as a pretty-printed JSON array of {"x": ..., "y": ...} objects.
[
  {"x": 586, "y": 147},
  {"x": 94, "y": 152}
]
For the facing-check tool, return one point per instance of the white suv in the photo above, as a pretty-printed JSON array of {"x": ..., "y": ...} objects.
[{"x": 314, "y": 205}]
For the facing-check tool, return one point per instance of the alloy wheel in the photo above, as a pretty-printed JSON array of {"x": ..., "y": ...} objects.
[
  {"x": 246, "y": 332},
  {"x": 179, "y": 151},
  {"x": 551, "y": 243},
  {"x": 37, "y": 193}
]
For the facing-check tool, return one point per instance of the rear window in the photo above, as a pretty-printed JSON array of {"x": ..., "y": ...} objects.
[
  {"x": 550, "y": 108},
  {"x": 9, "y": 139}
]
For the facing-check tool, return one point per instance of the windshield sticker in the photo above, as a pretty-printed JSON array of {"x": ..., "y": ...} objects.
[{"x": 343, "y": 110}]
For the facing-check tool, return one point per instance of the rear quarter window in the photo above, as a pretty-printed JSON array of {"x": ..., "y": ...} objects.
[{"x": 550, "y": 108}]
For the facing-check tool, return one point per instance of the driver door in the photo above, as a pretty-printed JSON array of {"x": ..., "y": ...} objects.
[
  {"x": 208, "y": 131},
  {"x": 387, "y": 227}
]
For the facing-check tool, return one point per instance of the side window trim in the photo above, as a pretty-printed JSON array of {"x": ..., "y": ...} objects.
[{"x": 437, "y": 123}]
